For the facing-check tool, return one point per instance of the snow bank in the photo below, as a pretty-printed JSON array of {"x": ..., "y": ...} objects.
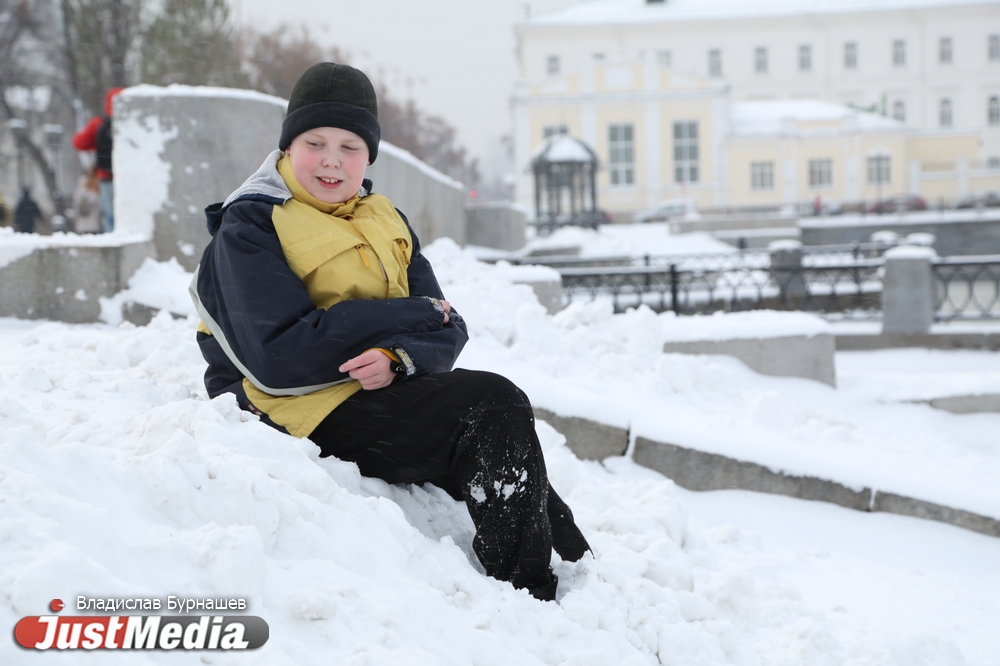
[
  {"x": 119, "y": 478},
  {"x": 742, "y": 326},
  {"x": 588, "y": 362},
  {"x": 631, "y": 240},
  {"x": 159, "y": 285}
]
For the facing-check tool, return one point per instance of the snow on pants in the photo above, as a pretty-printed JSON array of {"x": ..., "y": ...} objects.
[{"x": 473, "y": 434}]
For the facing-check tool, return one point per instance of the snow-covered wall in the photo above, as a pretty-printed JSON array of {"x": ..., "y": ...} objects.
[
  {"x": 180, "y": 148},
  {"x": 433, "y": 203}
]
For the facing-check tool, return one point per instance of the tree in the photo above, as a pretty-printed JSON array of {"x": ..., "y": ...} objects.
[
  {"x": 191, "y": 42},
  {"x": 274, "y": 60},
  {"x": 280, "y": 56},
  {"x": 99, "y": 49}
]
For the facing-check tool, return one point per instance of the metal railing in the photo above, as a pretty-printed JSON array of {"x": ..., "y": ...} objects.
[
  {"x": 967, "y": 288},
  {"x": 812, "y": 255},
  {"x": 850, "y": 290},
  {"x": 836, "y": 282}
]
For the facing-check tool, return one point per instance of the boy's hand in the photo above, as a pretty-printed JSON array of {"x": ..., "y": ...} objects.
[
  {"x": 372, "y": 369},
  {"x": 447, "y": 308}
]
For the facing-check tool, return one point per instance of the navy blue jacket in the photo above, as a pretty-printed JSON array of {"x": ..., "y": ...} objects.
[{"x": 265, "y": 317}]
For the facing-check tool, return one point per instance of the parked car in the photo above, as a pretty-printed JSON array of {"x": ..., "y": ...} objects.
[
  {"x": 980, "y": 200},
  {"x": 671, "y": 209},
  {"x": 898, "y": 203}
]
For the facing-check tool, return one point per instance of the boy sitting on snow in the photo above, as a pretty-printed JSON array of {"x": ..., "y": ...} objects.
[{"x": 322, "y": 316}]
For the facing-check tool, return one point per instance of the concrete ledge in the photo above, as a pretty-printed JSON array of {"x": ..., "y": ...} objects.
[
  {"x": 967, "y": 404},
  {"x": 698, "y": 470},
  {"x": 65, "y": 283},
  {"x": 863, "y": 342},
  {"x": 587, "y": 439},
  {"x": 810, "y": 357},
  {"x": 907, "y": 506}
]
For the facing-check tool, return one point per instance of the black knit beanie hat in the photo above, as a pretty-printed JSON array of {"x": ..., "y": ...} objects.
[{"x": 332, "y": 95}]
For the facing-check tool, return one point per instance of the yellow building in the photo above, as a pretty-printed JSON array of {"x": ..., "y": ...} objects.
[{"x": 662, "y": 135}]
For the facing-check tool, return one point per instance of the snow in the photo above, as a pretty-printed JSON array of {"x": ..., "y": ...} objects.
[
  {"x": 631, "y": 240},
  {"x": 14, "y": 246},
  {"x": 180, "y": 90},
  {"x": 135, "y": 206},
  {"x": 604, "y": 12},
  {"x": 901, "y": 375},
  {"x": 563, "y": 148},
  {"x": 118, "y": 478},
  {"x": 911, "y": 252},
  {"x": 742, "y": 326},
  {"x": 160, "y": 285},
  {"x": 988, "y": 216},
  {"x": 770, "y": 117}
]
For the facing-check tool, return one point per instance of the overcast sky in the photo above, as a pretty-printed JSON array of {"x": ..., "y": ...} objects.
[{"x": 456, "y": 57}]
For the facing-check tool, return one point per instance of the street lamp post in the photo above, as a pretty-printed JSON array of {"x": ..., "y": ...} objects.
[{"x": 19, "y": 129}]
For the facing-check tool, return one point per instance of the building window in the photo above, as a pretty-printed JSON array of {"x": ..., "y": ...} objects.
[
  {"x": 805, "y": 58},
  {"x": 993, "y": 111},
  {"x": 686, "y": 151},
  {"x": 899, "y": 111},
  {"x": 994, "y": 47},
  {"x": 898, "y": 53},
  {"x": 598, "y": 56},
  {"x": 760, "y": 60},
  {"x": 762, "y": 175},
  {"x": 993, "y": 163},
  {"x": 552, "y": 65},
  {"x": 665, "y": 58},
  {"x": 944, "y": 50},
  {"x": 621, "y": 154},
  {"x": 850, "y": 55},
  {"x": 820, "y": 173},
  {"x": 715, "y": 62},
  {"x": 553, "y": 130},
  {"x": 878, "y": 170},
  {"x": 944, "y": 113}
]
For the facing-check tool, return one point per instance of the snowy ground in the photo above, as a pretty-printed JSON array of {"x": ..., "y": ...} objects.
[{"x": 118, "y": 478}]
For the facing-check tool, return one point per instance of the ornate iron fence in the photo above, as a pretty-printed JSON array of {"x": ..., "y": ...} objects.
[
  {"x": 836, "y": 282},
  {"x": 837, "y": 290},
  {"x": 967, "y": 288}
]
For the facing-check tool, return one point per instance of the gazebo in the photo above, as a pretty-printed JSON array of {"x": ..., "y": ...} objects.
[{"x": 565, "y": 172}]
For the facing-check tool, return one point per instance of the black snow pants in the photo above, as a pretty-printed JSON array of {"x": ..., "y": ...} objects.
[{"x": 473, "y": 434}]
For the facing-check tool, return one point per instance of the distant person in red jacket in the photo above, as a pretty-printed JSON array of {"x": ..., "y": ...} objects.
[{"x": 96, "y": 136}]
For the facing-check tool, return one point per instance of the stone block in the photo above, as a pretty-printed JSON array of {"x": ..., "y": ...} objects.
[
  {"x": 496, "y": 225},
  {"x": 587, "y": 439},
  {"x": 908, "y": 291},
  {"x": 179, "y": 149},
  {"x": 808, "y": 356},
  {"x": 967, "y": 404},
  {"x": 907, "y": 506},
  {"x": 141, "y": 314},
  {"x": 699, "y": 470},
  {"x": 64, "y": 283},
  {"x": 548, "y": 292}
]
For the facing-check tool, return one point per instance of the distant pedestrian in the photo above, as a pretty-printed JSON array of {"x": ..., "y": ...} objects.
[
  {"x": 87, "y": 204},
  {"x": 27, "y": 213},
  {"x": 96, "y": 136}
]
